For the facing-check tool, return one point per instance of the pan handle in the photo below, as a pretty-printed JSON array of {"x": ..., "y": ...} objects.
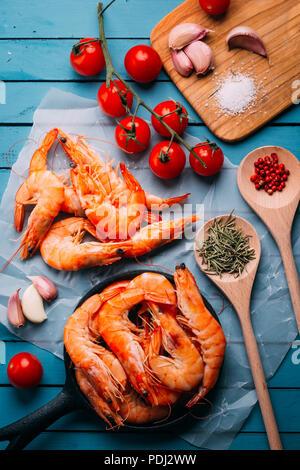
[{"x": 22, "y": 432}]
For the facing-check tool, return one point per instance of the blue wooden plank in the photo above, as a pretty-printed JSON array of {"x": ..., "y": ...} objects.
[
  {"x": 72, "y": 18},
  {"x": 33, "y": 60},
  {"x": 245, "y": 441},
  {"x": 155, "y": 442},
  {"x": 107, "y": 441},
  {"x": 21, "y": 402}
]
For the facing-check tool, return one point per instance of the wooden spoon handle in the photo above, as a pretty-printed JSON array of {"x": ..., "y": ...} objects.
[
  {"x": 260, "y": 384},
  {"x": 286, "y": 251}
]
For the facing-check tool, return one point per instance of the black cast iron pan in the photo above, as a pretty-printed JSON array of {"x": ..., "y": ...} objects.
[{"x": 23, "y": 431}]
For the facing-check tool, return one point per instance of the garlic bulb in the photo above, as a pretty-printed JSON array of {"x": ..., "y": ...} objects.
[
  {"x": 45, "y": 287},
  {"x": 182, "y": 63},
  {"x": 15, "y": 314},
  {"x": 32, "y": 305},
  {"x": 245, "y": 38},
  {"x": 184, "y": 33},
  {"x": 201, "y": 56}
]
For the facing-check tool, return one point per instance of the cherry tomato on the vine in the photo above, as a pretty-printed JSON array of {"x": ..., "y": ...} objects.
[
  {"x": 211, "y": 155},
  {"x": 132, "y": 136},
  {"x": 214, "y": 7},
  {"x": 142, "y": 63},
  {"x": 24, "y": 370},
  {"x": 109, "y": 99},
  {"x": 167, "y": 161},
  {"x": 175, "y": 115},
  {"x": 88, "y": 59}
]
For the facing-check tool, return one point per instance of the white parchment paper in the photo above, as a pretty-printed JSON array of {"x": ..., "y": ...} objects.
[{"x": 271, "y": 310}]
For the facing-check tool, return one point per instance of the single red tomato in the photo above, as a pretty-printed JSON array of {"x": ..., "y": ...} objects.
[
  {"x": 175, "y": 115},
  {"x": 167, "y": 161},
  {"x": 132, "y": 137},
  {"x": 211, "y": 155},
  {"x": 114, "y": 100},
  {"x": 142, "y": 63},
  {"x": 214, "y": 7},
  {"x": 87, "y": 59},
  {"x": 24, "y": 370}
]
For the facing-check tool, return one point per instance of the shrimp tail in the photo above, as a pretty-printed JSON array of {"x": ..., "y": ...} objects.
[
  {"x": 197, "y": 397},
  {"x": 19, "y": 216}
]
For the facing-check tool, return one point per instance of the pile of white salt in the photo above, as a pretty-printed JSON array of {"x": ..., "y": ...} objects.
[{"x": 236, "y": 93}]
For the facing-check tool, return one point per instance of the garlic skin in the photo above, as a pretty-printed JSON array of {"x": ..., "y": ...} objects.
[
  {"x": 15, "y": 314},
  {"x": 185, "y": 33},
  {"x": 246, "y": 38},
  {"x": 201, "y": 56},
  {"x": 46, "y": 288},
  {"x": 182, "y": 63},
  {"x": 32, "y": 305}
]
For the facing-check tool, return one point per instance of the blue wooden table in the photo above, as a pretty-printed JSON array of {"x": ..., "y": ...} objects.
[{"x": 35, "y": 42}]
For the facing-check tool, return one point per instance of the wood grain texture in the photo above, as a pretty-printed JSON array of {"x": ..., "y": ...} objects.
[{"x": 277, "y": 22}]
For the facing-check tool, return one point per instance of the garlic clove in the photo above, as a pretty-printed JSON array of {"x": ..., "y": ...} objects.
[
  {"x": 184, "y": 33},
  {"x": 46, "y": 288},
  {"x": 32, "y": 304},
  {"x": 246, "y": 38},
  {"x": 15, "y": 314},
  {"x": 182, "y": 63},
  {"x": 201, "y": 56}
]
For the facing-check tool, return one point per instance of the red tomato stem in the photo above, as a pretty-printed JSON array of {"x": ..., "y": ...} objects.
[{"x": 76, "y": 49}]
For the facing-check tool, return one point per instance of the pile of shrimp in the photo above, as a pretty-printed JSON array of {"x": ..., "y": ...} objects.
[
  {"x": 136, "y": 371},
  {"x": 109, "y": 206}
]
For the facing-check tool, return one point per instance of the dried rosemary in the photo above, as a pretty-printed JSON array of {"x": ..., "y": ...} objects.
[{"x": 226, "y": 249}]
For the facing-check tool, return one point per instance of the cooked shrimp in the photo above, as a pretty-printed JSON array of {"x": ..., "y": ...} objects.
[
  {"x": 100, "y": 366},
  {"x": 134, "y": 409},
  {"x": 44, "y": 189},
  {"x": 155, "y": 235},
  {"x": 62, "y": 248},
  {"x": 182, "y": 369},
  {"x": 83, "y": 154},
  {"x": 98, "y": 403},
  {"x": 115, "y": 328},
  {"x": 114, "y": 218},
  {"x": 156, "y": 283},
  {"x": 206, "y": 330},
  {"x": 157, "y": 203}
]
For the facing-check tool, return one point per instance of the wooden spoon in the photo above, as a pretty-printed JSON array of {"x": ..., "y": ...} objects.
[
  {"x": 276, "y": 211},
  {"x": 238, "y": 291}
]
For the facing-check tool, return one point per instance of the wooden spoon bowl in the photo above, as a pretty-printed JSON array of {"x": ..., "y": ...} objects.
[
  {"x": 277, "y": 211},
  {"x": 228, "y": 283},
  {"x": 278, "y": 200}
]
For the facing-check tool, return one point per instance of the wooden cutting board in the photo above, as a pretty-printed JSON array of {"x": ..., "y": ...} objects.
[{"x": 278, "y": 23}]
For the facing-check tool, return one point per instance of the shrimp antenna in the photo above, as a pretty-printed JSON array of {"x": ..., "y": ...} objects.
[
  {"x": 10, "y": 260},
  {"x": 100, "y": 140},
  {"x": 151, "y": 265},
  {"x": 9, "y": 150},
  {"x": 204, "y": 402}
]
